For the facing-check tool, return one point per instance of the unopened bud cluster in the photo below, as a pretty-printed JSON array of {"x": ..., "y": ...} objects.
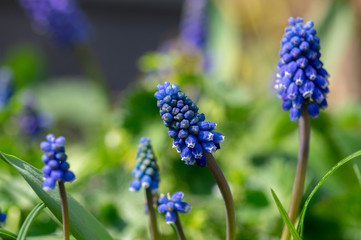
[
  {"x": 56, "y": 167},
  {"x": 146, "y": 171}
]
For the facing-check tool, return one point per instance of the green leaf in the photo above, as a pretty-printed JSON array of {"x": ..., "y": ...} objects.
[
  {"x": 285, "y": 217},
  {"x": 29, "y": 220},
  {"x": 83, "y": 225},
  {"x": 319, "y": 184},
  {"x": 7, "y": 235}
]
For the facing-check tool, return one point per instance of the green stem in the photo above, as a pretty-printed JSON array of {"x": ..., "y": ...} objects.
[
  {"x": 64, "y": 210},
  {"x": 226, "y": 194},
  {"x": 304, "y": 142},
  {"x": 152, "y": 217},
  {"x": 179, "y": 228}
]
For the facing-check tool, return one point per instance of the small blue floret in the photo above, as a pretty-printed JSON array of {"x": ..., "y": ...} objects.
[{"x": 170, "y": 205}]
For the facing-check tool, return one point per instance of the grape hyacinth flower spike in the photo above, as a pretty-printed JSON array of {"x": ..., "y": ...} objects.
[
  {"x": 302, "y": 84},
  {"x": 56, "y": 169},
  {"x": 170, "y": 206},
  {"x": 301, "y": 79},
  {"x": 195, "y": 139},
  {"x": 146, "y": 173}
]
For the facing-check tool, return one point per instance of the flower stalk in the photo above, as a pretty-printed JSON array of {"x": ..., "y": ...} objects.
[
  {"x": 153, "y": 227},
  {"x": 179, "y": 228},
  {"x": 64, "y": 210},
  {"x": 304, "y": 141},
  {"x": 226, "y": 194}
]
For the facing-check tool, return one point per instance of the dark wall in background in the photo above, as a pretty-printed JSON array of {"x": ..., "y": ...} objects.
[{"x": 123, "y": 31}]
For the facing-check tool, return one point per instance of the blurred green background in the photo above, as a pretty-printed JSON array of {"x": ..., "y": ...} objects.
[{"x": 260, "y": 149}]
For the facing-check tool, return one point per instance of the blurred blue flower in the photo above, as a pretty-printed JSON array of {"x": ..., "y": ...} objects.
[
  {"x": 170, "y": 205},
  {"x": 56, "y": 167},
  {"x": 301, "y": 78},
  {"x": 192, "y": 134},
  {"x": 6, "y": 86},
  {"x": 146, "y": 171},
  {"x": 2, "y": 217},
  {"x": 31, "y": 121},
  {"x": 193, "y": 29},
  {"x": 62, "y": 20}
]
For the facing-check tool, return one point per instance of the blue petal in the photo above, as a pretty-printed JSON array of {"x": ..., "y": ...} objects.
[
  {"x": 182, "y": 207},
  {"x": 177, "y": 196},
  {"x": 162, "y": 208},
  {"x": 170, "y": 217}
]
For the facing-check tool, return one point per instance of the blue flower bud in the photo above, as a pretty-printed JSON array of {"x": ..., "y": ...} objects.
[
  {"x": 318, "y": 96},
  {"x": 177, "y": 196},
  {"x": 182, "y": 207},
  {"x": 302, "y": 62},
  {"x": 299, "y": 77},
  {"x": 2, "y": 217},
  {"x": 286, "y": 105},
  {"x": 307, "y": 89},
  {"x": 170, "y": 217},
  {"x": 172, "y": 133},
  {"x": 209, "y": 147},
  {"x": 69, "y": 176},
  {"x": 186, "y": 154},
  {"x": 298, "y": 102},
  {"x": 146, "y": 181},
  {"x": 183, "y": 133},
  {"x": 202, "y": 162},
  {"x": 197, "y": 151},
  {"x": 191, "y": 141},
  {"x": 162, "y": 208},
  {"x": 135, "y": 185},
  {"x": 295, "y": 114},
  {"x": 313, "y": 110},
  {"x": 49, "y": 184},
  {"x": 205, "y": 136},
  {"x": 292, "y": 91}
]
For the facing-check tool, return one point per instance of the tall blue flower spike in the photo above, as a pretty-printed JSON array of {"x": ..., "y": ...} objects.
[
  {"x": 301, "y": 78},
  {"x": 191, "y": 133},
  {"x": 62, "y": 20},
  {"x": 146, "y": 171},
  {"x": 6, "y": 86},
  {"x": 193, "y": 23},
  {"x": 56, "y": 167},
  {"x": 2, "y": 217},
  {"x": 170, "y": 205}
]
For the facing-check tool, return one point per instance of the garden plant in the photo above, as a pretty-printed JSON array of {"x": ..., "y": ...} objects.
[{"x": 239, "y": 178}]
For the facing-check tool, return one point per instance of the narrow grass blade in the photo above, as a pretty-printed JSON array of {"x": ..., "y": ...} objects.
[
  {"x": 319, "y": 184},
  {"x": 29, "y": 220},
  {"x": 7, "y": 235},
  {"x": 357, "y": 172},
  {"x": 285, "y": 217}
]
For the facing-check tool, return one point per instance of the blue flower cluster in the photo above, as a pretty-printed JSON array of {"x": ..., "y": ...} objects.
[
  {"x": 170, "y": 205},
  {"x": 146, "y": 171},
  {"x": 56, "y": 167},
  {"x": 6, "y": 86},
  {"x": 2, "y": 217},
  {"x": 192, "y": 134},
  {"x": 301, "y": 79},
  {"x": 193, "y": 23},
  {"x": 62, "y": 20}
]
